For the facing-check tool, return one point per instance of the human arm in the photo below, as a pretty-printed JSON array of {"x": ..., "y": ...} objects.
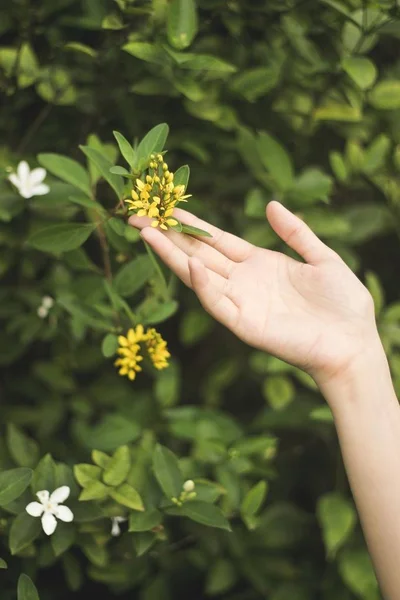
[{"x": 318, "y": 316}]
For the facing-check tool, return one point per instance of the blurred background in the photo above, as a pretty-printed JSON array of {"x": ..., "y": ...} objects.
[{"x": 297, "y": 100}]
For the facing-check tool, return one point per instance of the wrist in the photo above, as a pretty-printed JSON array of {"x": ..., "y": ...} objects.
[{"x": 364, "y": 381}]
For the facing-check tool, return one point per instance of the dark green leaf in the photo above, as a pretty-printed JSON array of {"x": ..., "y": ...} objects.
[
  {"x": 144, "y": 521},
  {"x": 133, "y": 275},
  {"x": 23, "y": 449},
  {"x": 182, "y": 23},
  {"x": 109, "y": 345},
  {"x": 13, "y": 483},
  {"x": 167, "y": 471},
  {"x": 24, "y": 530},
  {"x": 152, "y": 142},
  {"x": 68, "y": 170},
  {"x": 276, "y": 159},
  {"x": 125, "y": 148},
  {"x": 206, "y": 514},
  {"x": 61, "y": 238},
  {"x": 190, "y": 230},
  {"x": 26, "y": 588},
  {"x": 104, "y": 165}
]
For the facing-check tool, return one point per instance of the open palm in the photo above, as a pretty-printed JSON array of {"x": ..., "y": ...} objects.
[{"x": 314, "y": 314}]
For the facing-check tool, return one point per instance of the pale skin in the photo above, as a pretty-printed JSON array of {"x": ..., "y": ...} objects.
[{"x": 318, "y": 316}]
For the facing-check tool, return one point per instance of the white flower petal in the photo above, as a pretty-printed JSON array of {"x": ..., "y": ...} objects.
[
  {"x": 36, "y": 176},
  {"x": 64, "y": 514},
  {"x": 25, "y": 190},
  {"x": 49, "y": 523},
  {"x": 14, "y": 180},
  {"x": 60, "y": 494},
  {"x": 23, "y": 171},
  {"x": 40, "y": 190},
  {"x": 34, "y": 509},
  {"x": 43, "y": 496},
  {"x": 115, "y": 529}
]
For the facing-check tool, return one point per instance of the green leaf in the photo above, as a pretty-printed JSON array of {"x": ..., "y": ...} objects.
[
  {"x": 125, "y": 148},
  {"x": 322, "y": 414},
  {"x": 44, "y": 475},
  {"x": 126, "y": 495},
  {"x": 112, "y": 431},
  {"x": 117, "y": 170},
  {"x": 158, "y": 313},
  {"x": 61, "y": 238},
  {"x": 24, "y": 530},
  {"x": 376, "y": 155},
  {"x": 337, "y": 517},
  {"x": 278, "y": 391},
  {"x": 95, "y": 490},
  {"x": 101, "y": 459},
  {"x": 143, "y": 541},
  {"x": 56, "y": 87},
  {"x": 312, "y": 184},
  {"x": 88, "y": 203},
  {"x": 221, "y": 577},
  {"x": 13, "y": 483},
  {"x": 357, "y": 572},
  {"x": 182, "y": 23},
  {"x": 181, "y": 176},
  {"x": 147, "y": 52},
  {"x": 194, "y": 326},
  {"x": 86, "y": 474},
  {"x": 133, "y": 275},
  {"x": 104, "y": 165},
  {"x": 339, "y": 166},
  {"x": 255, "y": 83},
  {"x": 361, "y": 70},
  {"x": 63, "y": 538},
  {"x": 144, "y": 521},
  {"x": 206, "y": 514},
  {"x": 205, "y": 62},
  {"x": 195, "y": 231},
  {"x": 79, "y": 47},
  {"x": 26, "y": 588},
  {"x": 23, "y": 449},
  {"x": 3, "y": 564},
  {"x": 334, "y": 111},
  {"x": 275, "y": 158},
  {"x": 118, "y": 467},
  {"x": 386, "y": 95},
  {"x": 253, "y": 501},
  {"x": 68, "y": 170},
  {"x": 167, "y": 471},
  {"x": 152, "y": 142},
  {"x": 376, "y": 290},
  {"x": 109, "y": 345}
]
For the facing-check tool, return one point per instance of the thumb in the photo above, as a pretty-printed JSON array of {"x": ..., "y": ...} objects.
[{"x": 292, "y": 230}]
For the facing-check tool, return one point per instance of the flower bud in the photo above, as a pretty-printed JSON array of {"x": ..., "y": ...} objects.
[
  {"x": 188, "y": 486},
  {"x": 47, "y": 302},
  {"x": 42, "y": 312}
]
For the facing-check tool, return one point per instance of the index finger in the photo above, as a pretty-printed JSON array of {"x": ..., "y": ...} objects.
[{"x": 230, "y": 245}]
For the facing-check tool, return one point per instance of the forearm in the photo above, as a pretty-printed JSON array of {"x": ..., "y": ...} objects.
[{"x": 367, "y": 417}]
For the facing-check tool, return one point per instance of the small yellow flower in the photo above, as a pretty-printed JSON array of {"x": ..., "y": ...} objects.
[
  {"x": 129, "y": 352},
  {"x": 157, "y": 349}
]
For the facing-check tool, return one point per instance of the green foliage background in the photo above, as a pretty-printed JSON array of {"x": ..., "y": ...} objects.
[{"x": 290, "y": 99}]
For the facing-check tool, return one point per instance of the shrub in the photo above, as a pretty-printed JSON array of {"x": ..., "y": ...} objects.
[{"x": 219, "y": 474}]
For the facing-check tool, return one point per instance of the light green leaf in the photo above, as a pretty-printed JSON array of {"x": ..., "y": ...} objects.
[
  {"x": 322, "y": 413},
  {"x": 79, "y": 47},
  {"x": 312, "y": 184},
  {"x": 181, "y": 176},
  {"x": 357, "y": 572},
  {"x": 361, "y": 70},
  {"x": 13, "y": 483},
  {"x": 167, "y": 471},
  {"x": 118, "y": 467},
  {"x": 88, "y": 203},
  {"x": 337, "y": 518},
  {"x": 101, "y": 459},
  {"x": 55, "y": 86},
  {"x": 125, "y": 148},
  {"x": 152, "y": 142},
  {"x": 334, "y": 111},
  {"x": 377, "y": 153},
  {"x": 133, "y": 276},
  {"x": 255, "y": 83},
  {"x": 252, "y": 502},
  {"x": 3, "y": 564},
  {"x": 26, "y": 588},
  {"x": 190, "y": 230},
  {"x": 95, "y": 490},
  {"x": 126, "y": 495},
  {"x": 376, "y": 290},
  {"x": 86, "y": 474},
  {"x": 23, "y": 449},
  {"x": 147, "y": 52},
  {"x": 117, "y": 170},
  {"x": 338, "y": 166},
  {"x": 182, "y": 23},
  {"x": 275, "y": 158},
  {"x": 68, "y": 170},
  {"x": 104, "y": 165},
  {"x": 24, "y": 530},
  {"x": 144, "y": 521},
  {"x": 109, "y": 345},
  {"x": 386, "y": 95},
  {"x": 278, "y": 391},
  {"x": 206, "y": 514},
  {"x": 206, "y": 62},
  {"x": 112, "y": 21},
  {"x": 63, "y": 237}
]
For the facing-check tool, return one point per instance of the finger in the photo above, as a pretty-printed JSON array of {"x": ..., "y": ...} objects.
[
  {"x": 292, "y": 230},
  {"x": 212, "y": 298},
  {"x": 175, "y": 258},
  {"x": 210, "y": 257},
  {"x": 230, "y": 245}
]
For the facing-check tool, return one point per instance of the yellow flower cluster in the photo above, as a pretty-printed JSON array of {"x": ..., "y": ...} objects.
[
  {"x": 130, "y": 347},
  {"x": 157, "y": 196}
]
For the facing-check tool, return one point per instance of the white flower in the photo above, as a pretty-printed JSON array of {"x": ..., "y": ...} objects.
[
  {"x": 29, "y": 183},
  {"x": 188, "y": 486},
  {"x": 50, "y": 507},
  {"x": 115, "y": 528},
  {"x": 47, "y": 302},
  {"x": 42, "y": 312}
]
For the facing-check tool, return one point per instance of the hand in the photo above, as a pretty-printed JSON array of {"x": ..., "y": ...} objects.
[{"x": 316, "y": 315}]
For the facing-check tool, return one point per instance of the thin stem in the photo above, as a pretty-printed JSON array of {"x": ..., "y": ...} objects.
[
  {"x": 158, "y": 269},
  {"x": 105, "y": 250}
]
